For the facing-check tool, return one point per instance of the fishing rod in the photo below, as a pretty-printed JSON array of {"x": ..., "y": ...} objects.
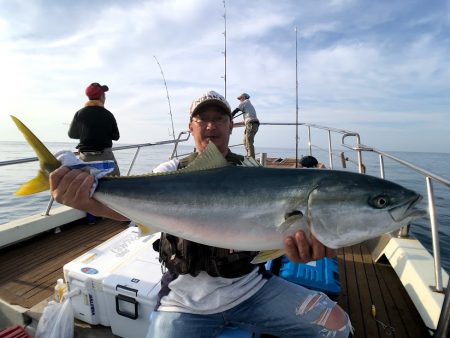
[
  {"x": 168, "y": 98},
  {"x": 238, "y": 115}
]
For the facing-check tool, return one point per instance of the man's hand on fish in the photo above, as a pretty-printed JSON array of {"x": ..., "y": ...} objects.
[
  {"x": 72, "y": 187},
  {"x": 299, "y": 250}
]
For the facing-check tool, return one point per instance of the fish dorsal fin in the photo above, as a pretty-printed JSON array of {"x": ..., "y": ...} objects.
[
  {"x": 210, "y": 158},
  {"x": 250, "y": 162}
]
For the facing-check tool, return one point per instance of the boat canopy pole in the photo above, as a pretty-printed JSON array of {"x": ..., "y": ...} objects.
[
  {"x": 225, "y": 47},
  {"x": 296, "y": 100}
]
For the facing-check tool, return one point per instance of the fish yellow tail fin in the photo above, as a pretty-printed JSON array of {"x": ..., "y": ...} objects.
[{"x": 47, "y": 162}]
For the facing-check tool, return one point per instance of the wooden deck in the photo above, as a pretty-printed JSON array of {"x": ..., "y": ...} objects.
[
  {"x": 273, "y": 162},
  {"x": 365, "y": 283},
  {"x": 29, "y": 269}
]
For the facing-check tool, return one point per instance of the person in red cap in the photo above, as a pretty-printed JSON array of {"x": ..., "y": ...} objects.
[{"x": 96, "y": 128}]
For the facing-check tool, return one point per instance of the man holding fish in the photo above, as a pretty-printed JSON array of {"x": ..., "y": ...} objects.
[{"x": 206, "y": 287}]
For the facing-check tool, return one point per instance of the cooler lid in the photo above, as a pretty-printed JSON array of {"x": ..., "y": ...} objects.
[
  {"x": 110, "y": 255},
  {"x": 139, "y": 278}
]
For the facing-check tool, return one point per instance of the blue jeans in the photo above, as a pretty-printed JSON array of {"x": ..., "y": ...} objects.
[{"x": 275, "y": 309}]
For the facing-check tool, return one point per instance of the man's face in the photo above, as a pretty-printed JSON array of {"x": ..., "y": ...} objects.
[{"x": 211, "y": 125}]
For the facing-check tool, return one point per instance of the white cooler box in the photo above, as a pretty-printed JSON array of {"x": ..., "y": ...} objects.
[
  {"x": 89, "y": 271},
  {"x": 131, "y": 293}
]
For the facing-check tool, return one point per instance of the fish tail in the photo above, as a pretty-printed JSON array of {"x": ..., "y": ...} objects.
[{"x": 47, "y": 162}]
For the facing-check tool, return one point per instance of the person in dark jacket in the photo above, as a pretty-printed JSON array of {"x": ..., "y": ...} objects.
[{"x": 95, "y": 127}]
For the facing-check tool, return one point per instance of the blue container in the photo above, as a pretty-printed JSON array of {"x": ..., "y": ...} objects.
[{"x": 321, "y": 275}]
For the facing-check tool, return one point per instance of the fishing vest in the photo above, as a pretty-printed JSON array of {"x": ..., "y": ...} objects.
[{"x": 181, "y": 256}]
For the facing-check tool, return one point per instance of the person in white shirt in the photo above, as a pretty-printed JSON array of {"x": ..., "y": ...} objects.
[
  {"x": 207, "y": 288},
  {"x": 251, "y": 122}
]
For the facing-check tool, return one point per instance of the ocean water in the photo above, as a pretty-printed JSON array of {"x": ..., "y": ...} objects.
[{"x": 15, "y": 207}]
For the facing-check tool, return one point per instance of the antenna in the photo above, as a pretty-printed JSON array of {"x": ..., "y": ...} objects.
[
  {"x": 296, "y": 100},
  {"x": 168, "y": 98},
  {"x": 225, "y": 46}
]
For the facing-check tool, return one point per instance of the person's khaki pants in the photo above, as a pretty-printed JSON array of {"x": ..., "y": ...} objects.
[{"x": 251, "y": 128}]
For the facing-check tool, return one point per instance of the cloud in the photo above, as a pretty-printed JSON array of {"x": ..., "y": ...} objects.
[{"x": 376, "y": 67}]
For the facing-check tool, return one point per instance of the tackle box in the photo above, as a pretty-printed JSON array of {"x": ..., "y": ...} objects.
[{"x": 88, "y": 272}]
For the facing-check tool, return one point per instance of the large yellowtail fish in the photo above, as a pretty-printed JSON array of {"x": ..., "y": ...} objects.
[{"x": 249, "y": 208}]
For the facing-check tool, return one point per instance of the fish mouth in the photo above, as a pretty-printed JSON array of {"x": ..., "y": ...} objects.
[{"x": 407, "y": 211}]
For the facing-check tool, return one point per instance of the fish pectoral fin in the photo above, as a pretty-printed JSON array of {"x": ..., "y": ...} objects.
[
  {"x": 289, "y": 220},
  {"x": 145, "y": 230},
  {"x": 267, "y": 255},
  {"x": 210, "y": 158},
  {"x": 35, "y": 185}
]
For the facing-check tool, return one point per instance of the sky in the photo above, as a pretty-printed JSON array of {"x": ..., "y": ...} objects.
[{"x": 378, "y": 68}]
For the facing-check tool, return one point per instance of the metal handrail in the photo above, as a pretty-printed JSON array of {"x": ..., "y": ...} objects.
[
  {"x": 138, "y": 147},
  {"x": 131, "y": 146},
  {"x": 429, "y": 177},
  {"x": 329, "y": 130}
]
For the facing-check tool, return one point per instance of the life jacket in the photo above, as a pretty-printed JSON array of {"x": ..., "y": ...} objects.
[{"x": 181, "y": 256}]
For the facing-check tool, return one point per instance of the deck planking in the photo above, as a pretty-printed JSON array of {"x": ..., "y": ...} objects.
[
  {"x": 365, "y": 283},
  {"x": 272, "y": 162},
  {"x": 29, "y": 269}
]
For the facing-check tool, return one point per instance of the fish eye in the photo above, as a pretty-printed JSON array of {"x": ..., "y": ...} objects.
[{"x": 380, "y": 201}]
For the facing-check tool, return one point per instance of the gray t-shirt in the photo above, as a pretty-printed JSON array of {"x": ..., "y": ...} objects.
[{"x": 249, "y": 111}]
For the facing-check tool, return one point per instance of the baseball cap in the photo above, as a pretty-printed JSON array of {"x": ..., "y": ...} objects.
[
  {"x": 244, "y": 95},
  {"x": 95, "y": 90},
  {"x": 209, "y": 98}
]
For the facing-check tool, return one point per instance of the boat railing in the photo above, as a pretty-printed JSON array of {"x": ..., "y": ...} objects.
[
  {"x": 429, "y": 179},
  {"x": 182, "y": 137},
  {"x": 358, "y": 148},
  {"x": 329, "y": 131}
]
